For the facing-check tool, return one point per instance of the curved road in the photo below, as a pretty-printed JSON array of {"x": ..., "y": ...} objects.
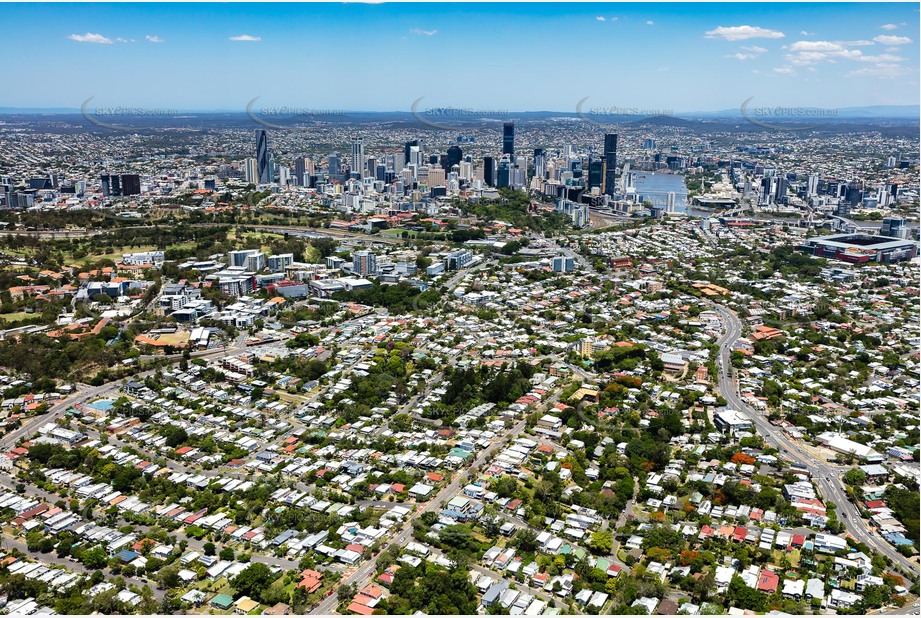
[{"x": 825, "y": 475}]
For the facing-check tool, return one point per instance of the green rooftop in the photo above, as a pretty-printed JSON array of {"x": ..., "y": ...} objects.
[{"x": 222, "y": 601}]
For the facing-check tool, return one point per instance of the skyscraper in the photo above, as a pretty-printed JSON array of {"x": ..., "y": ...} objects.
[
  {"x": 358, "y": 156},
  {"x": 263, "y": 157},
  {"x": 595, "y": 173},
  {"x": 111, "y": 185},
  {"x": 540, "y": 163},
  {"x": 489, "y": 171},
  {"x": 455, "y": 154},
  {"x": 415, "y": 156},
  {"x": 508, "y": 139},
  {"x": 333, "y": 166},
  {"x": 407, "y": 149},
  {"x": 251, "y": 171},
  {"x": 131, "y": 184},
  {"x": 505, "y": 165},
  {"x": 610, "y": 163},
  {"x": 300, "y": 168},
  {"x": 812, "y": 186}
]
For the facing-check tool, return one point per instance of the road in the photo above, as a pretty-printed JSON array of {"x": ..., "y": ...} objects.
[
  {"x": 909, "y": 610},
  {"x": 31, "y": 424},
  {"x": 75, "y": 567},
  {"x": 362, "y": 575},
  {"x": 825, "y": 475}
]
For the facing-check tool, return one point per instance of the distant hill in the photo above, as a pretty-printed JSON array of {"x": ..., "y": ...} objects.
[{"x": 868, "y": 111}]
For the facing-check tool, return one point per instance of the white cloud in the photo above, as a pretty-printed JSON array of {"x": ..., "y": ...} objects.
[
  {"x": 812, "y": 52},
  {"x": 889, "y": 39},
  {"x": 90, "y": 37},
  {"x": 748, "y": 52},
  {"x": 741, "y": 33},
  {"x": 784, "y": 70},
  {"x": 649, "y": 22},
  {"x": 600, "y": 18},
  {"x": 884, "y": 70},
  {"x": 246, "y": 37},
  {"x": 421, "y": 32},
  {"x": 153, "y": 38},
  {"x": 804, "y": 33},
  {"x": 889, "y": 27},
  {"x": 823, "y": 46},
  {"x": 807, "y": 54},
  {"x": 882, "y": 58}
]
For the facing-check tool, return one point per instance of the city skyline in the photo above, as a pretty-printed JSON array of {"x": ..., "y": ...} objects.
[{"x": 669, "y": 58}]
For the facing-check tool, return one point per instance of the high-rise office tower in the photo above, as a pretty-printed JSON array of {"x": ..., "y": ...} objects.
[
  {"x": 767, "y": 189},
  {"x": 489, "y": 171},
  {"x": 540, "y": 163},
  {"x": 358, "y": 156},
  {"x": 505, "y": 165},
  {"x": 455, "y": 154},
  {"x": 508, "y": 139},
  {"x": 854, "y": 193},
  {"x": 595, "y": 173},
  {"x": 111, "y": 185},
  {"x": 263, "y": 157},
  {"x": 300, "y": 169},
  {"x": 334, "y": 170},
  {"x": 780, "y": 189},
  {"x": 436, "y": 177},
  {"x": 131, "y": 184},
  {"x": 407, "y": 149},
  {"x": 812, "y": 185},
  {"x": 415, "y": 157},
  {"x": 610, "y": 163}
]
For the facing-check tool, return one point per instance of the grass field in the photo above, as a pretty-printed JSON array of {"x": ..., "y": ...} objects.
[{"x": 19, "y": 315}]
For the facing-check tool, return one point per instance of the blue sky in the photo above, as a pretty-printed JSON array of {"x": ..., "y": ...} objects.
[{"x": 515, "y": 57}]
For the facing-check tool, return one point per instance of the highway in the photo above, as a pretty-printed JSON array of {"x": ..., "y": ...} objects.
[{"x": 824, "y": 474}]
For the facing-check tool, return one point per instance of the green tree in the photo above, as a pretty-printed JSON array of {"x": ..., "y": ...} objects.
[
  {"x": 855, "y": 476},
  {"x": 253, "y": 581}
]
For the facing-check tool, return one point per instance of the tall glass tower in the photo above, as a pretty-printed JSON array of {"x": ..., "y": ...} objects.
[
  {"x": 508, "y": 139},
  {"x": 263, "y": 157},
  {"x": 610, "y": 163}
]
